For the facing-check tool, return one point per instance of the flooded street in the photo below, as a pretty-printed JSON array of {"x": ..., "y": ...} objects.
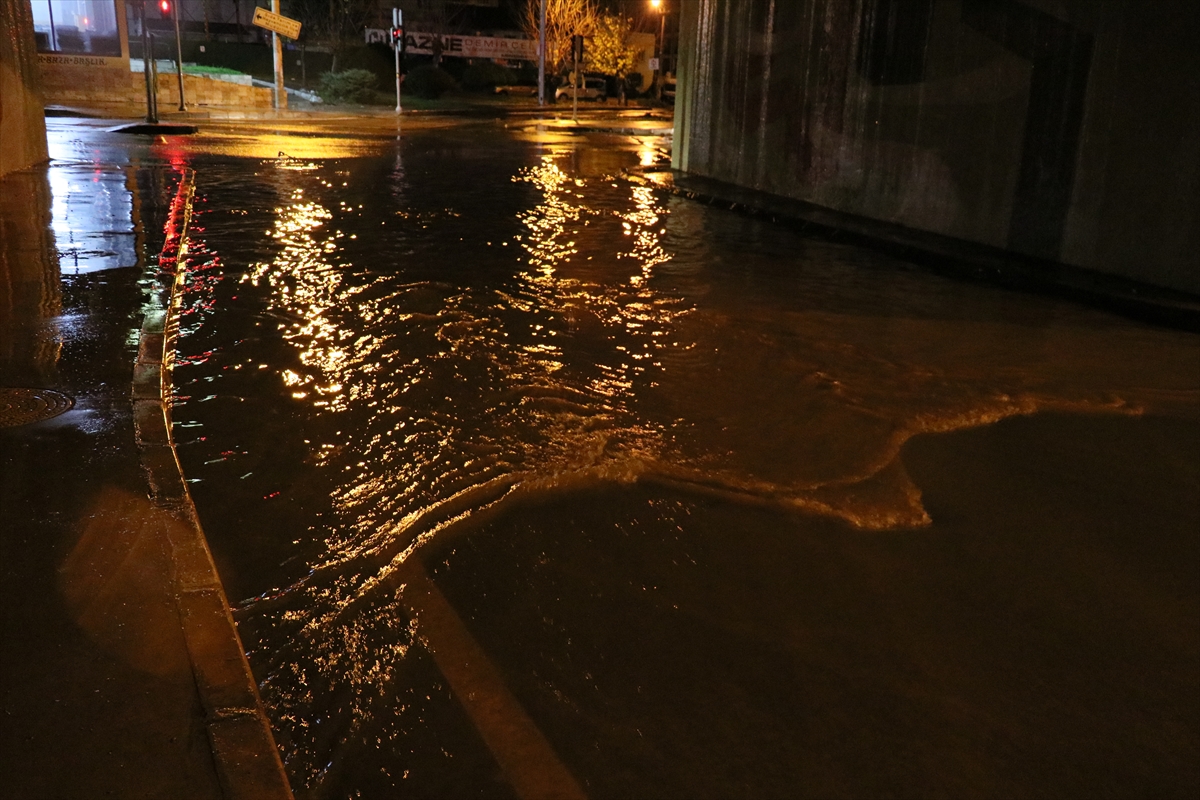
[{"x": 529, "y": 478}]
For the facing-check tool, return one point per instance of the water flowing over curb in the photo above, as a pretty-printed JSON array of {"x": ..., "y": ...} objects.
[{"x": 244, "y": 750}]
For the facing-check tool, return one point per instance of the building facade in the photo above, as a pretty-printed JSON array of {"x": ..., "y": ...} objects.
[{"x": 83, "y": 49}]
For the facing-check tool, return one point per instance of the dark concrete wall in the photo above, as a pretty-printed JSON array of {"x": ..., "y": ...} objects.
[
  {"x": 30, "y": 279},
  {"x": 1063, "y": 129},
  {"x": 22, "y": 124}
]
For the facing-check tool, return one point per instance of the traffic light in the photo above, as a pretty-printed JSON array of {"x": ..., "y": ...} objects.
[
  {"x": 165, "y": 7},
  {"x": 398, "y": 38}
]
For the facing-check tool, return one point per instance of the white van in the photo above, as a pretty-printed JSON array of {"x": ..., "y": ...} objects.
[{"x": 593, "y": 88}]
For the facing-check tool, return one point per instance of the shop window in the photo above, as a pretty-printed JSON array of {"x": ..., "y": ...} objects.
[{"x": 76, "y": 27}]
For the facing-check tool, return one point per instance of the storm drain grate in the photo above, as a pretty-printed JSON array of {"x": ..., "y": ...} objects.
[{"x": 23, "y": 406}]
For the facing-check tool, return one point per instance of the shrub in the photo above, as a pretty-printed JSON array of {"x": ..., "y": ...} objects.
[
  {"x": 376, "y": 58},
  {"x": 488, "y": 75},
  {"x": 428, "y": 82},
  {"x": 347, "y": 86}
]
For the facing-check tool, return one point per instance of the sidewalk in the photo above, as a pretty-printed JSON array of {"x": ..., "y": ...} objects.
[{"x": 643, "y": 118}]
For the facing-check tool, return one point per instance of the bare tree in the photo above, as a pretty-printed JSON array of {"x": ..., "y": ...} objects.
[
  {"x": 237, "y": 13},
  {"x": 338, "y": 24},
  {"x": 564, "y": 19},
  {"x": 435, "y": 17}
]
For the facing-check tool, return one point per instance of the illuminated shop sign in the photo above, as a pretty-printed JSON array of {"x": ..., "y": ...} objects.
[{"x": 461, "y": 46}]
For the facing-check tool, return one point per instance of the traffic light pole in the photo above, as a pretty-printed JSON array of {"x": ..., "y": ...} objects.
[
  {"x": 577, "y": 56},
  {"x": 397, "y": 47}
]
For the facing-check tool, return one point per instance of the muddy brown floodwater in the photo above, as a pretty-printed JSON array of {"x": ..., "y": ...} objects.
[{"x": 532, "y": 479}]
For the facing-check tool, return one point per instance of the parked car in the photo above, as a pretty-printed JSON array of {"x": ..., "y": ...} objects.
[{"x": 593, "y": 88}]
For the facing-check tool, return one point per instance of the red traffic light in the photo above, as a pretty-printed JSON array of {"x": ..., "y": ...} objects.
[{"x": 164, "y": 6}]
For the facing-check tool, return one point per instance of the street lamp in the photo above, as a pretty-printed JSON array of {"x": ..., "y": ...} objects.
[{"x": 661, "y": 8}]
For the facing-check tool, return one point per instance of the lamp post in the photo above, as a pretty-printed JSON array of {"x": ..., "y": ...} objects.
[{"x": 660, "y": 7}]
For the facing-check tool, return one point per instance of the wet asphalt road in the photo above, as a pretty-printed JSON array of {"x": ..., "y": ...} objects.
[{"x": 527, "y": 474}]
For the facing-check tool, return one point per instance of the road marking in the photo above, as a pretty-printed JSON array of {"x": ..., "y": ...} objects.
[{"x": 530, "y": 764}]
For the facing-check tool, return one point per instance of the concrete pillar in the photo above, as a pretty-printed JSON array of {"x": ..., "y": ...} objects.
[
  {"x": 30, "y": 279},
  {"x": 1067, "y": 134},
  {"x": 22, "y": 120}
]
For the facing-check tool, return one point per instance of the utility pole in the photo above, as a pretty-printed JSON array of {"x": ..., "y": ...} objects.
[
  {"x": 277, "y": 46},
  {"x": 577, "y": 56},
  {"x": 542, "y": 55},
  {"x": 662, "y": 29},
  {"x": 178, "y": 54},
  {"x": 659, "y": 73}
]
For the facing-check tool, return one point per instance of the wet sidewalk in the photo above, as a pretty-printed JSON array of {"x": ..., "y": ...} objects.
[{"x": 109, "y": 666}]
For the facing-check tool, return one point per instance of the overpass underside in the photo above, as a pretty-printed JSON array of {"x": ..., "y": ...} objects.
[{"x": 1067, "y": 132}]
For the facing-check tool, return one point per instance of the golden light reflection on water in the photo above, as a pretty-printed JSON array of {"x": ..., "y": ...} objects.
[
  {"x": 305, "y": 282},
  {"x": 467, "y": 391},
  {"x": 547, "y": 242},
  {"x": 270, "y": 145},
  {"x": 585, "y": 295},
  {"x": 469, "y": 385},
  {"x": 619, "y": 340},
  {"x": 643, "y": 224}
]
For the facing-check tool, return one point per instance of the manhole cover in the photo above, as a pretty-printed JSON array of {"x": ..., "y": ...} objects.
[{"x": 23, "y": 406}]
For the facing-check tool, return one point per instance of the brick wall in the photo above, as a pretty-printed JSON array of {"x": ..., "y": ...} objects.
[{"x": 109, "y": 82}]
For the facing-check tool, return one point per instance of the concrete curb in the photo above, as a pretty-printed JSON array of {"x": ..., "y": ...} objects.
[{"x": 244, "y": 750}]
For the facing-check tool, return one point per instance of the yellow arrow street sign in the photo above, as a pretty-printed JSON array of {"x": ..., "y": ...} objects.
[{"x": 284, "y": 26}]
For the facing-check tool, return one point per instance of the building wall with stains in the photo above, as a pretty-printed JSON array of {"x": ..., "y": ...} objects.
[
  {"x": 22, "y": 124},
  {"x": 1062, "y": 129}
]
